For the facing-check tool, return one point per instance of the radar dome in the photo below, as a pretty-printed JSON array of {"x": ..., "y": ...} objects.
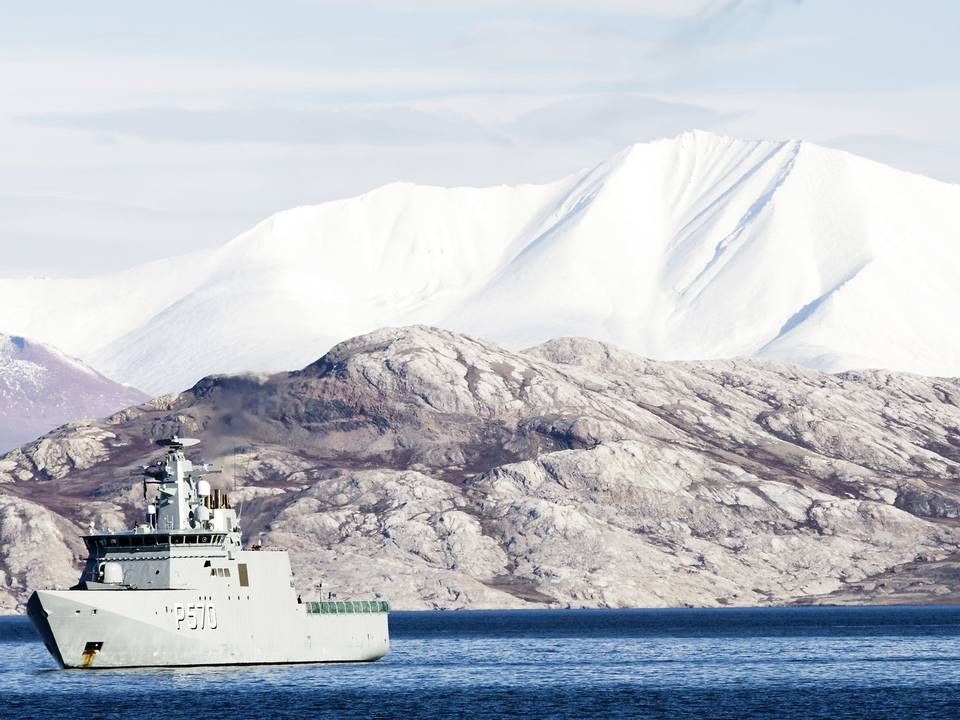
[{"x": 113, "y": 573}]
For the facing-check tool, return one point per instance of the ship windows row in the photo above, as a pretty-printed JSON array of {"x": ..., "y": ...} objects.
[{"x": 153, "y": 540}]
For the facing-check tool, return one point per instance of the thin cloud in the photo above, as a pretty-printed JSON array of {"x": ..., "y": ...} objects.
[
  {"x": 615, "y": 120},
  {"x": 355, "y": 126},
  {"x": 718, "y": 18},
  {"x": 655, "y": 8},
  {"x": 611, "y": 119}
]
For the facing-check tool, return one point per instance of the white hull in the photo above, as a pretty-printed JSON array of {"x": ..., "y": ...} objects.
[
  {"x": 179, "y": 589},
  {"x": 137, "y": 628}
]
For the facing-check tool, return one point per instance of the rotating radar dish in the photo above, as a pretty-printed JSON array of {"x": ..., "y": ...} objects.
[{"x": 177, "y": 442}]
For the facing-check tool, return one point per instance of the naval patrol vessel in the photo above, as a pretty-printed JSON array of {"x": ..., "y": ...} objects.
[{"x": 180, "y": 589}]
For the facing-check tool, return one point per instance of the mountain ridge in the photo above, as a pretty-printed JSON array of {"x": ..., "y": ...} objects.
[
  {"x": 41, "y": 388},
  {"x": 699, "y": 246},
  {"x": 442, "y": 470}
]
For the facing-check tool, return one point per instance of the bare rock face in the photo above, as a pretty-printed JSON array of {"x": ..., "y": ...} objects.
[
  {"x": 40, "y": 549},
  {"x": 430, "y": 547},
  {"x": 437, "y": 470}
]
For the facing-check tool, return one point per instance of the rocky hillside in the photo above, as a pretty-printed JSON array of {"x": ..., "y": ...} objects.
[
  {"x": 442, "y": 471},
  {"x": 40, "y": 388}
]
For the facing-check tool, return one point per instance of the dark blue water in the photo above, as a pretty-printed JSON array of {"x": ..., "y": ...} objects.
[{"x": 731, "y": 663}]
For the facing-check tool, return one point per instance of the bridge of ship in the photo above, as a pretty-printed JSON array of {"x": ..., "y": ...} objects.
[{"x": 152, "y": 540}]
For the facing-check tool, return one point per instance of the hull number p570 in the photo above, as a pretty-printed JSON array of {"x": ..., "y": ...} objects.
[{"x": 197, "y": 616}]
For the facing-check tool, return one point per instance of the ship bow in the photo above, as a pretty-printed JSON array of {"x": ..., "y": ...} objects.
[{"x": 40, "y": 618}]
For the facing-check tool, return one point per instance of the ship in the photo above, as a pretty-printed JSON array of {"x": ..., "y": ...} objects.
[{"x": 181, "y": 589}]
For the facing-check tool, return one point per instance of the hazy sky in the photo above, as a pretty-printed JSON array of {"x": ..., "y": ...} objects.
[{"x": 130, "y": 131}]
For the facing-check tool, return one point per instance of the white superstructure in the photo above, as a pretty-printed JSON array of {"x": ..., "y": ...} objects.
[{"x": 180, "y": 589}]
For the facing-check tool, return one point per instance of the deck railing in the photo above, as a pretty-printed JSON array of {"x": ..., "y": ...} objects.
[{"x": 346, "y": 607}]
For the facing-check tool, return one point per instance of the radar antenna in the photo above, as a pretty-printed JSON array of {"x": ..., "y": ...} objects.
[{"x": 177, "y": 443}]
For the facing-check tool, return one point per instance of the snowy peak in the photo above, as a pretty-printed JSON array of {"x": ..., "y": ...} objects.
[
  {"x": 699, "y": 246},
  {"x": 41, "y": 388}
]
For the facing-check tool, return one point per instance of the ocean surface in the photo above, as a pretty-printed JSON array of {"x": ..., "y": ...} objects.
[{"x": 889, "y": 662}]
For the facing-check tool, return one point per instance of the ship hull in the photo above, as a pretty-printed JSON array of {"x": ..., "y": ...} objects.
[{"x": 163, "y": 628}]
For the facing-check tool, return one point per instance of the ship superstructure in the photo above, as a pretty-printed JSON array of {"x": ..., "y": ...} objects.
[{"x": 180, "y": 589}]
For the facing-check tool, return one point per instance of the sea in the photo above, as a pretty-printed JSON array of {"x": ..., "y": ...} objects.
[{"x": 802, "y": 662}]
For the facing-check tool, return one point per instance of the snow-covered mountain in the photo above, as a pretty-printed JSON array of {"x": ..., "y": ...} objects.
[
  {"x": 41, "y": 388},
  {"x": 699, "y": 246}
]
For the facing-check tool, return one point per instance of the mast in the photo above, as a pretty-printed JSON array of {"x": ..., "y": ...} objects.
[{"x": 185, "y": 501}]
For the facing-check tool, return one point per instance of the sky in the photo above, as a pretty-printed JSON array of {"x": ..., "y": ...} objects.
[{"x": 132, "y": 131}]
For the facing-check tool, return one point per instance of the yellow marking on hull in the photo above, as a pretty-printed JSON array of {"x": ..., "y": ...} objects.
[{"x": 90, "y": 652}]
